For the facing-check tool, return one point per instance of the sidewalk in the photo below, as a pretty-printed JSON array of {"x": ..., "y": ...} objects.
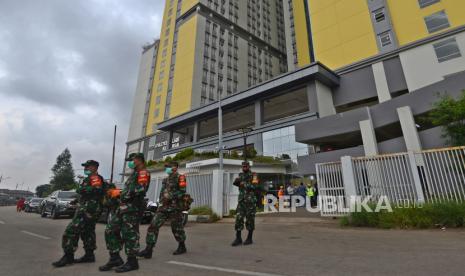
[{"x": 300, "y": 216}]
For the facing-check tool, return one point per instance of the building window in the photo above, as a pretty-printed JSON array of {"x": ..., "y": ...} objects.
[
  {"x": 162, "y": 74},
  {"x": 437, "y": 21},
  {"x": 426, "y": 3},
  {"x": 156, "y": 113},
  {"x": 157, "y": 100},
  {"x": 447, "y": 49},
  {"x": 379, "y": 15},
  {"x": 385, "y": 39},
  {"x": 160, "y": 87},
  {"x": 282, "y": 141}
]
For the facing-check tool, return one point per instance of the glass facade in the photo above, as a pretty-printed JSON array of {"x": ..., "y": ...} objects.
[{"x": 282, "y": 141}]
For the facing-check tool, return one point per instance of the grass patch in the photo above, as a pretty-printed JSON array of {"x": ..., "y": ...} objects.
[
  {"x": 205, "y": 211},
  {"x": 430, "y": 215}
]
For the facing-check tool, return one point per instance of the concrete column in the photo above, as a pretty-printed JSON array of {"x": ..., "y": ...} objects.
[
  {"x": 382, "y": 87},
  {"x": 311, "y": 97},
  {"x": 416, "y": 177},
  {"x": 217, "y": 192},
  {"x": 169, "y": 138},
  {"x": 348, "y": 176},
  {"x": 258, "y": 113},
  {"x": 320, "y": 99},
  {"x": 370, "y": 145},
  {"x": 196, "y": 135},
  {"x": 324, "y": 97},
  {"x": 409, "y": 129}
]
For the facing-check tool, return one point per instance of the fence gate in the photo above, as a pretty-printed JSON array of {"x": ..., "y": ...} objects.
[
  {"x": 406, "y": 178},
  {"x": 330, "y": 186},
  {"x": 199, "y": 186}
]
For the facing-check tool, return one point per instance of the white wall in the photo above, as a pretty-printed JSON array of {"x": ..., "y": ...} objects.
[
  {"x": 421, "y": 67},
  {"x": 140, "y": 96}
]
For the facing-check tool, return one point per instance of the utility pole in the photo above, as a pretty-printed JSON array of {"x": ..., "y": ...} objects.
[
  {"x": 220, "y": 132},
  {"x": 245, "y": 131},
  {"x": 113, "y": 156}
]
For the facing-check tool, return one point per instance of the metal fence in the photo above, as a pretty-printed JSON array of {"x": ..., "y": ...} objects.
[
  {"x": 388, "y": 175},
  {"x": 199, "y": 187},
  {"x": 442, "y": 174},
  {"x": 406, "y": 178},
  {"x": 330, "y": 185}
]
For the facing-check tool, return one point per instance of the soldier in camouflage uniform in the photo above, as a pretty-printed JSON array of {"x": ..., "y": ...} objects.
[
  {"x": 247, "y": 202},
  {"x": 90, "y": 192},
  {"x": 171, "y": 200},
  {"x": 123, "y": 227}
]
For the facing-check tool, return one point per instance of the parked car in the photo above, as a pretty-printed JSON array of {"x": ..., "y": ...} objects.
[
  {"x": 151, "y": 209},
  {"x": 59, "y": 203},
  {"x": 33, "y": 205}
]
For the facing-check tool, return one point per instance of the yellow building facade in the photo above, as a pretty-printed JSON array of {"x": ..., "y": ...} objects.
[
  {"x": 341, "y": 32},
  {"x": 210, "y": 48}
]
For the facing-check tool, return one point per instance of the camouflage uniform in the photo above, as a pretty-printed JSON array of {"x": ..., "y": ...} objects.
[
  {"x": 91, "y": 192},
  {"x": 247, "y": 202},
  {"x": 171, "y": 194},
  {"x": 123, "y": 227}
]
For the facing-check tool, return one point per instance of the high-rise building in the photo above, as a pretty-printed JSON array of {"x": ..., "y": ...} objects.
[
  {"x": 338, "y": 33},
  {"x": 139, "y": 115},
  {"x": 363, "y": 76},
  {"x": 214, "y": 47}
]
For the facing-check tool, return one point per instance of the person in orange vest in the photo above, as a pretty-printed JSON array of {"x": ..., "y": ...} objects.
[{"x": 281, "y": 192}]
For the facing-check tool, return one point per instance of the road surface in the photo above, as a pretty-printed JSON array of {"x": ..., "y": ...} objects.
[{"x": 29, "y": 244}]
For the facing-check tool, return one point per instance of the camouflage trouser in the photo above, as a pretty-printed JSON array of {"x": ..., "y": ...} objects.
[
  {"x": 123, "y": 229},
  {"x": 159, "y": 219},
  {"x": 82, "y": 225},
  {"x": 245, "y": 210}
]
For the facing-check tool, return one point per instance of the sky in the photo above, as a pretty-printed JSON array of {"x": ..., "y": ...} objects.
[{"x": 68, "y": 73}]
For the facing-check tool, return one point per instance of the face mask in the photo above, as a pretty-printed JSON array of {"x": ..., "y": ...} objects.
[
  {"x": 131, "y": 164},
  {"x": 87, "y": 172},
  {"x": 168, "y": 170}
]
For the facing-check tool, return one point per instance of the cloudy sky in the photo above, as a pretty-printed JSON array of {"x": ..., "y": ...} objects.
[{"x": 68, "y": 72}]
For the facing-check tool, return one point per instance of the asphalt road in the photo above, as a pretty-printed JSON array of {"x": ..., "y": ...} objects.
[{"x": 29, "y": 244}]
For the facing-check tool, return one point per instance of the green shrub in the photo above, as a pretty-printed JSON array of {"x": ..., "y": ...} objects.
[
  {"x": 184, "y": 154},
  {"x": 205, "y": 211},
  {"x": 448, "y": 214},
  {"x": 201, "y": 210}
]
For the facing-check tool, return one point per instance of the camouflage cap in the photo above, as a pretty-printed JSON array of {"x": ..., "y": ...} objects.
[
  {"x": 138, "y": 155},
  {"x": 246, "y": 163},
  {"x": 90, "y": 163}
]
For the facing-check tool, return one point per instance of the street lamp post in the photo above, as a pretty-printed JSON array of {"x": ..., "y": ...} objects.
[
  {"x": 220, "y": 132},
  {"x": 245, "y": 131}
]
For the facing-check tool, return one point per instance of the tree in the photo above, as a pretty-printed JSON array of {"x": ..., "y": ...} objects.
[
  {"x": 450, "y": 114},
  {"x": 63, "y": 173},
  {"x": 43, "y": 190}
]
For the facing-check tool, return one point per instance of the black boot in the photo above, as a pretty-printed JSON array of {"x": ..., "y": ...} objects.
[
  {"x": 67, "y": 259},
  {"x": 89, "y": 257},
  {"x": 146, "y": 253},
  {"x": 238, "y": 240},
  {"x": 115, "y": 260},
  {"x": 249, "y": 238},
  {"x": 130, "y": 265},
  {"x": 181, "y": 249}
]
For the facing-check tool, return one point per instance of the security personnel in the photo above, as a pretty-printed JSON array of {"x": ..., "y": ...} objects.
[
  {"x": 171, "y": 198},
  {"x": 246, "y": 206},
  {"x": 310, "y": 194},
  {"x": 90, "y": 194},
  {"x": 123, "y": 227}
]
